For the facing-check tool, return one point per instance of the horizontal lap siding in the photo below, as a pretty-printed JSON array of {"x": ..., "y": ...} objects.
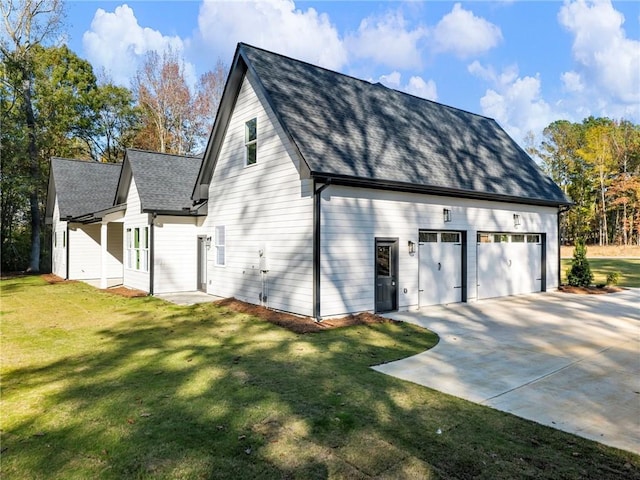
[
  {"x": 134, "y": 217},
  {"x": 85, "y": 252},
  {"x": 175, "y": 254},
  {"x": 263, "y": 207},
  {"x": 352, "y": 218},
  {"x": 114, "y": 250},
  {"x": 59, "y": 256}
]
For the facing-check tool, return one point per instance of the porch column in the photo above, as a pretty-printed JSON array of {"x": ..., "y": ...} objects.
[{"x": 103, "y": 256}]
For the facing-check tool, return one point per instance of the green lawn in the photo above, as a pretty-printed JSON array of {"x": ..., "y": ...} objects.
[
  {"x": 99, "y": 386},
  {"x": 628, "y": 268}
]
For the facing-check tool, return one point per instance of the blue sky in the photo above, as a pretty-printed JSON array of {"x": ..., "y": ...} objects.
[{"x": 525, "y": 64}]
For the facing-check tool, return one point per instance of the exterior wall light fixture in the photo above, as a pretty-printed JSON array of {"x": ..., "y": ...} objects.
[
  {"x": 412, "y": 247},
  {"x": 516, "y": 220},
  {"x": 446, "y": 214}
]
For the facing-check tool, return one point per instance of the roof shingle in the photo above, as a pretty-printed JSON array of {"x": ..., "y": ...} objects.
[
  {"x": 351, "y": 128},
  {"x": 84, "y": 187}
]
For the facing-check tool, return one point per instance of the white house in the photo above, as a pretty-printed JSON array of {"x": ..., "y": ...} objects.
[
  {"x": 129, "y": 223},
  {"x": 160, "y": 228},
  {"x": 328, "y": 195},
  {"x": 77, "y": 188}
]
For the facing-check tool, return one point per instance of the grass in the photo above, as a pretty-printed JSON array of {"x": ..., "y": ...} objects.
[
  {"x": 628, "y": 268},
  {"x": 99, "y": 386},
  {"x": 566, "y": 251}
]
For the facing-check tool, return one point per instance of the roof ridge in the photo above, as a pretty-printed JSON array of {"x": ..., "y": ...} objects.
[
  {"x": 164, "y": 153},
  {"x": 366, "y": 82},
  {"x": 89, "y": 162}
]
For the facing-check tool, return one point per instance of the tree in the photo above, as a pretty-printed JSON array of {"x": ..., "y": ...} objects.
[
  {"x": 26, "y": 25},
  {"x": 176, "y": 117},
  {"x": 579, "y": 274},
  {"x": 116, "y": 123},
  {"x": 165, "y": 100}
]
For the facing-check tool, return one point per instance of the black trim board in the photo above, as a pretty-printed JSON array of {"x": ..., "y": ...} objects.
[{"x": 427, "y": 189}]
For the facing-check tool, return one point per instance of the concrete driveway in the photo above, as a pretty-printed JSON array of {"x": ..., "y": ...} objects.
[{"x": 571, "y": 362}]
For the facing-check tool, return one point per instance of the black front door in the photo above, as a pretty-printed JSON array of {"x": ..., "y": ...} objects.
[
  {"x": 386, "y": 274},
  {"x": 202, "y": 263}
]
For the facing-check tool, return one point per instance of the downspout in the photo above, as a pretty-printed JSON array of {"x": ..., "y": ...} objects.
[
  {"x": 317, "y": 198},
  {"x": 151, "y": 255},
  {"x": 66, "y": 248}
]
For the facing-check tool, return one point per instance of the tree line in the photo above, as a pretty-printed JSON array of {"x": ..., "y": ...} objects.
[
  {"x": 597, "y": 165},
  {"x": 53, "y": 103}
]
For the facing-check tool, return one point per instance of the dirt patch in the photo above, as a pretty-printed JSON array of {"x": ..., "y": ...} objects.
[
  {"x": 589, "y": 290},
  {"x": 300, "y": 324},
  {"x": 594, "y": 251}
]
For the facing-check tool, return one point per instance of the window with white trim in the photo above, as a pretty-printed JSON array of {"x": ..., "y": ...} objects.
[
  {"x": 137, "y": 256},
  {"x": 251, "y": 141},
  {"x": 219, "y": 244}
]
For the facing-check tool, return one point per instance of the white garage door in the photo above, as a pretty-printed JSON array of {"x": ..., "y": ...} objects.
[
  {"x": 440, "y": 279},
  {"x": 508, "y": 264}
]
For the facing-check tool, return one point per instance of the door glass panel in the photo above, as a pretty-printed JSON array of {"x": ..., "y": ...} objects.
[
  {"x": 484, "y": 238},
  {"x": 383, "y": 261},
  {"x": 427, "y": 237},
  {"x": 449, "y": 237},
  {"x": 498, "y": 238}
]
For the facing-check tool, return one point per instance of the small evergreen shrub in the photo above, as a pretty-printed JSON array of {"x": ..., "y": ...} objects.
[
  {"x": 613, "y": 278},
  {"x": 580, "y": 272}
]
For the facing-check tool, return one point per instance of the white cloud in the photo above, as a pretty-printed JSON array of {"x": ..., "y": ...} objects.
[
  {"x": 416, "y": 85},
  {"x": 572, "y": 82},
  {"x": 463, "y": 34},
  {"x": 275, "y": 25},
  {"x": 513, "y": 101},
  {"x": 606, "y": 59},
  {"x": 387, "y": 40},
  {"x": 117, "y": 43}
]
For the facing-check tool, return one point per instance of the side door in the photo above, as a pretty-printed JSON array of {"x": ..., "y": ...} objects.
[{"x": 386, "y": 274}]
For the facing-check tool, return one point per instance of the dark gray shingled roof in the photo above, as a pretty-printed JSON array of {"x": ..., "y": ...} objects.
[
  {"x": 164, "y": 181},
  {"x": 82, "y": 187},
  {"x": 345, "y": 128}
]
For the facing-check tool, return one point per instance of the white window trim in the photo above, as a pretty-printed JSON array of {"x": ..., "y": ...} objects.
[
  {"x": 137, "y": 258},
  {"x": 247, "y": 143},
  {"x": 220, "y": 245}
]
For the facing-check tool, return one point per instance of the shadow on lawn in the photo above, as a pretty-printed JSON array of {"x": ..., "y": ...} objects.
[{"x": 202, "y": 392}]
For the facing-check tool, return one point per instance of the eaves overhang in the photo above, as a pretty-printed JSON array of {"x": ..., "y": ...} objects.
[{"x": 345, "y": 180}]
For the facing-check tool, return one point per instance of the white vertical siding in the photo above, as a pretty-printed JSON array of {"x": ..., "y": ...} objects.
[
  {"x": 84, "y": 251},
  {"x": 134, "y": 217},
  {"x": 59, "y": 255},
  {"x": 175, "y": 254},
  {"x": 263, "y": 207},
  {"x": 352, "y": 218}
]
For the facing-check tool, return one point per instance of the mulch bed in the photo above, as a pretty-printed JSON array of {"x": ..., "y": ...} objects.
[
  {"x": 300, "y": 324},
  {"x": 589, "y": 290},
  {"x": 125, "y": 292},
  {"x": 51, "y": 278}
]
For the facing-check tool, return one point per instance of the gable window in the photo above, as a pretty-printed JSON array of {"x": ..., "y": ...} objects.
[
  {"x": 251, "y": 141},
  {"x": 219, "y": 244},
  {"x": 137, "y": 240}
]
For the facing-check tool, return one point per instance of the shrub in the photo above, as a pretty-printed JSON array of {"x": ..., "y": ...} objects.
[
  {"x": 580, "y": 272},
  {"x": 613, "y": 278}
]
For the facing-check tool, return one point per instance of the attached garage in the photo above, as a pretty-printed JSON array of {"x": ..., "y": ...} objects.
[
  {"x": 441, "y": 272},
  {"x": 510, "y": 263}
]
